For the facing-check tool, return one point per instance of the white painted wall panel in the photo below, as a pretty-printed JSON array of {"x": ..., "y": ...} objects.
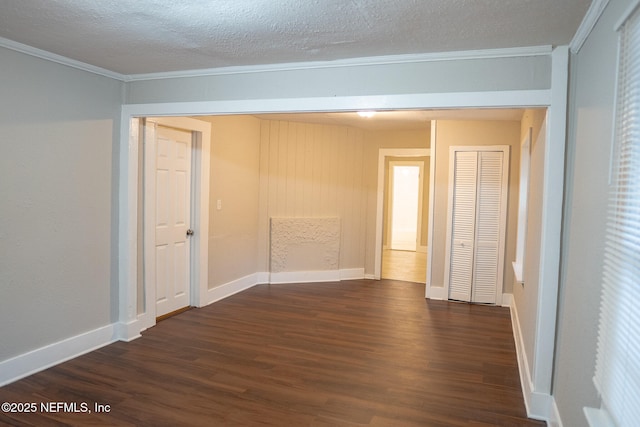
[{"x": 58, "y": 186}]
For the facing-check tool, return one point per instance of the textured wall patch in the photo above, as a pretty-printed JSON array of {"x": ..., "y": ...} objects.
[{"x": 305, "y": 244}]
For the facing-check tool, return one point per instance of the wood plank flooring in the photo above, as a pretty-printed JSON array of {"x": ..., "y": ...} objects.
[
  {"x": 404, "y": 265},
  {"x": 353, "y": 353}
]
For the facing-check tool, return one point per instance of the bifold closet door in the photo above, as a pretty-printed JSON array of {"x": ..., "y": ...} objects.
[{"x": 477, "y": 218}]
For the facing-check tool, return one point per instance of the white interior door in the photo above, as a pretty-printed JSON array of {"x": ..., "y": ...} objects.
[
  {"x": 172, "y": 219},
  {"x": 476, "y": 224}
]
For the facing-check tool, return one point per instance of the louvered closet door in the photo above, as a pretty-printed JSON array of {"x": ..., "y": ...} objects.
[
  {"x": 477, "y": 220},
  {"x": 488, "y": 215},
  {"x": 463, "y": 225}
]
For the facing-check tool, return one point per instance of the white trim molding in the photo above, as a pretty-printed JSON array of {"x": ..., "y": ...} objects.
[
  {"x": 507, "y": 300},
  {"x": 436, "y": 292},
  {"x": 247, "y": 69},
  {"x": 45, "y": 357},
  {"x": 351, "y": 273},
  {"x": 316, "y": 276},
  {"x": 59, "y": 59},
  {"x": 552, "y": 199},
  {"x": 537, "y": 404},
  {"x": 554, "y": 417},
  {"x": 231, "y": 288},
  {"x": 351, "y": 62},
  {"x": 588, "y": 23}
]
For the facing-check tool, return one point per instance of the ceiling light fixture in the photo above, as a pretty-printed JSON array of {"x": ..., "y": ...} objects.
[{"x": 366, "y": 114}]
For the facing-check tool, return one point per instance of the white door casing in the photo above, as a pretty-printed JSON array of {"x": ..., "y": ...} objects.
[
  {"x": 176, "y": 199},
  {"x": 382, "y": 154},
  {"x": 476, "y": 223}
]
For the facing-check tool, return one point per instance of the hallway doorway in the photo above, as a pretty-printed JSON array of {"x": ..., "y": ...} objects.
[
  {"x": 403, "y": 254},
  {"x": 405, "y": 204}
]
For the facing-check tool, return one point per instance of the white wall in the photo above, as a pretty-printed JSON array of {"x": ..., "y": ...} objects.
[
  {"x": 526, "y": 296},
  {"x": 591, "y": 109},
  {"x": 58, "y": 192}
]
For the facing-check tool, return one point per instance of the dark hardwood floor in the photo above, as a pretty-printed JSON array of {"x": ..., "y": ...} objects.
[{"x": 354, "y": 353}]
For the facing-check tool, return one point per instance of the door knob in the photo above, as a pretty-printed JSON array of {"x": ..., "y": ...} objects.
[{"x": 189, "y": 232}]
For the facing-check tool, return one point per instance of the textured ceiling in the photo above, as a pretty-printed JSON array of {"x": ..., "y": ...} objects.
[{"x": 150, "y": 36}]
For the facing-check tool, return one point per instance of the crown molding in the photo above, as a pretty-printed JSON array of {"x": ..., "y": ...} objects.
[
  {"x": 626, "y": 15},
  {"x": 588, "y": 23},
  {"x": 248, "y": 69},
  {"x": 375, "y": 60},
  {"x": 59, "y": 59}
]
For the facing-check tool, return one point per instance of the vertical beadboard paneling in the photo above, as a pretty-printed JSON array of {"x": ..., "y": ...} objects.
[
  {"x": 311, "y": 170},
  {"x": 316, "y": 163},
  {"x": 349, "y": 226},
  {"x": 292, "y": 145},
  {"x": 299, "y": 176},
  {"x": 275, "y": 180},
  {"x": 263, "y": 205},
  {"x": 307, "y": 190},
  {"x": 360, "y": 200},
  {"x": 283, "y": 170}
]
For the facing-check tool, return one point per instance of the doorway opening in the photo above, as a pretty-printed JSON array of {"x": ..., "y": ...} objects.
[
  {"x": 405, "y": 203},
  {"x": 403, "y": 213},
  {"x": 404, "y": 257}
]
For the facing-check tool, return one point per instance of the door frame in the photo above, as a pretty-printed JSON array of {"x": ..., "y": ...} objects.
[
  {"x": 383, "y": 153},
  {"x": 505, "y": 149},
  {"x": 199, "y": 216},
  {"x": 420, "y": 164}
]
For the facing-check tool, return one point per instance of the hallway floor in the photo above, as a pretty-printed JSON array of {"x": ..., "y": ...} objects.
[{"x": 409, "y": 266}]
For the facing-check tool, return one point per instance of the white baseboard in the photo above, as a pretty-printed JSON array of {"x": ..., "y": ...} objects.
[
  {"x": 370, "y": 276},
  {"x": 538, "y": 404},
  {"x": 554, "y": 418},
  {"x": 263, "y": 277},
  {"x": 436, "y": 292},
  {"x": 130, "y": 331},
  {"x": 246, "y": 282},
  {"x": 45, "y": 357},
  {"x": 507, "y": 300},
  {"x": 352, "y": 273},
  {"x": 317, "y": 276},
  {"x": 233, "y": 287}
]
